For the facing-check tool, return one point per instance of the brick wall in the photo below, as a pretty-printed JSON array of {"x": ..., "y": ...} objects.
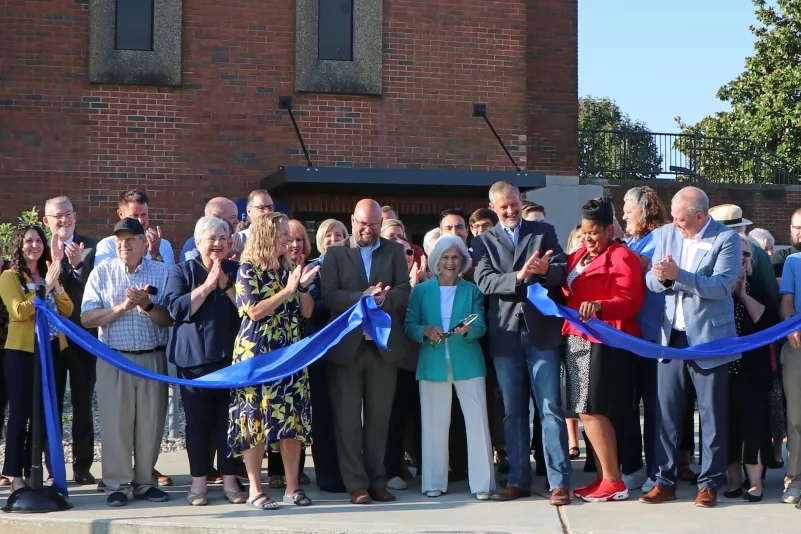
[
  {"x": 222, "y": 131},
  {"x": 768, "y": 207}
]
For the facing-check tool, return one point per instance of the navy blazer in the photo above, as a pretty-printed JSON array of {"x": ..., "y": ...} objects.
[{"x": 207, "y": 336}]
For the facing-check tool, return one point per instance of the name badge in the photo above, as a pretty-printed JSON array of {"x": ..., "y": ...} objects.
[{"x": 705, "y": 246}]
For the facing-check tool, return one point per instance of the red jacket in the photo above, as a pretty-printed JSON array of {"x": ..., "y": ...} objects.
[{"x": 615, "y": 279}]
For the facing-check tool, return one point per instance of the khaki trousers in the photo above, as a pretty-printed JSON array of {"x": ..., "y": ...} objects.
[
  {"x": 791, "y": 377},
  {"x": 132, "y": 412}
]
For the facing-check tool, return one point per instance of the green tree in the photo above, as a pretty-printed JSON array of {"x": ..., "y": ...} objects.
[
  {"x": 765, "y": 105},
  {"x": 612, "y": 144}
]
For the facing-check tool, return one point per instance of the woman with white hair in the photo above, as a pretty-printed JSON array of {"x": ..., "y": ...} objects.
[
  {"x": 201, "y": 300},
  {"x": 436, "y": 309},
  {"x": 763, "y": 239}
]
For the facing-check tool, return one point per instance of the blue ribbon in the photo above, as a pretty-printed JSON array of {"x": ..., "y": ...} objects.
[
  {"x": 613, "y": 337},
  {"x": 260, "y": 369}
]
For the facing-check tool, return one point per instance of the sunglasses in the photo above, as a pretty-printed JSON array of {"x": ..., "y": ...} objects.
[{"x": 409, "y": 252}]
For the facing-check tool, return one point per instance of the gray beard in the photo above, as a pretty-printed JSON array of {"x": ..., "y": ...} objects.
[{"x": 362, "y": 243}]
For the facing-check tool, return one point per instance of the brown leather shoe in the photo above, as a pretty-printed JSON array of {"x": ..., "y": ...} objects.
[
  {"x": 658, "y": 495},
  {"x": 359, "y": 496},
  {"x": 510, "y": 493},
  {"x": 560, "y": 497},
  {"x": 381, "y": 495},
  {"x": 706, "y": 498},
  {"x": 163, "y": 480}
]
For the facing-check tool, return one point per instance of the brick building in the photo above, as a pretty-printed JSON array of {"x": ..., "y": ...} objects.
[{"x": 87, "y": 110}]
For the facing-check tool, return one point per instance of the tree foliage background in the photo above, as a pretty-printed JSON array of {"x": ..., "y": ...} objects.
[
  {"x": 603, "y": 154},
  {"x": 765, "y": 105}
]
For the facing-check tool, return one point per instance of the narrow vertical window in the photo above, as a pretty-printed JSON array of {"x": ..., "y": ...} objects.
[
  {"x": 335, "y": 30},
  {"x": 134, "y": 25}
]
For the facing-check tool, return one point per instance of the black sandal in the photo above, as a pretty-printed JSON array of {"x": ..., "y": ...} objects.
[
  {"x": 262, "y": 502},
  {"x": 298, "y": 498},
  {"x": 575, "y": 453}
]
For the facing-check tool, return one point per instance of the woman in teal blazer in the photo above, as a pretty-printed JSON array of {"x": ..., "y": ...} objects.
[{"x": 435, "y": 307}]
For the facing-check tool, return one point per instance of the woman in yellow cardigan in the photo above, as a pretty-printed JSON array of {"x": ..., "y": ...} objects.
[
  {"x": 29, "y": 271},
  {"x": 436, "y": 307}
]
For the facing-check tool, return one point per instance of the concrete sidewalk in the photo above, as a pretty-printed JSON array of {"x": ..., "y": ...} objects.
[{"x": 458, "y": 511}]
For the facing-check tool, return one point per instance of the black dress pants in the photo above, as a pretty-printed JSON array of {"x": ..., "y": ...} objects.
[
  {"x": 405, "y": 407},
  {"x": 81, "y": 367},
  {"x": 206, "y": 411},
  {"x": 324, "y": 445}
]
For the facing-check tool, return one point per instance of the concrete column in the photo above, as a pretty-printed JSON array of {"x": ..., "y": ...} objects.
[{"x": 563, "y": 197}]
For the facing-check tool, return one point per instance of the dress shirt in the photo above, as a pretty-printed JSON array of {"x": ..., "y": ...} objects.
[
  {"x": 689, "y": 247},
  {"x": 367, "y": 256},
  {"x": 107, "y": 250},
  {"x": 134, "y": 330},
  {"x": 514, "y": 235}
]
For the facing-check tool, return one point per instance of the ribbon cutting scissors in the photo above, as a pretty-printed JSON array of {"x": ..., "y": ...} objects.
[{"x": 467, "y": 321}]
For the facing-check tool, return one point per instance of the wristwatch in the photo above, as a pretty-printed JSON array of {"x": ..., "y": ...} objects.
[
  {"x": 228, "y": 286},
  {"x": 149, "y": 307}
]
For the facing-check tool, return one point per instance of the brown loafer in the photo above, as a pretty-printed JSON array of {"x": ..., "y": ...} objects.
[
  {"x": 381, "y": 495},
  {"x": 359, "y": 496},
  {"x": 658, "y": 495},
  {"x": 706, "y": 498},
  {"x": 510, "y": 493},
  {"x": 163, "y": 480},
  {"x": 560, "y": 497}
]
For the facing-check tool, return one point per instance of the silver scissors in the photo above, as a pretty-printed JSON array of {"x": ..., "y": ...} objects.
[{"x": 467, "y": 321}]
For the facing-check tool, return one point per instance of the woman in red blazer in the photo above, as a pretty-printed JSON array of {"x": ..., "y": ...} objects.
[{"x": 605, "y": 280}]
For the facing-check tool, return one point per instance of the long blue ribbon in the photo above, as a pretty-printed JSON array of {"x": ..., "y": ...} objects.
[
  {"x": 261, "y": 369},
  {"x": 613, "y": 337}
]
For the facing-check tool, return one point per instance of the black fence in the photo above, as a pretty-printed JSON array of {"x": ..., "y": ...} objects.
[{"x": 627, "y": 155}]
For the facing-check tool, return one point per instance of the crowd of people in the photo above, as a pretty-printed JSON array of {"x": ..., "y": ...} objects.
[{"x": 467, "y": 353}]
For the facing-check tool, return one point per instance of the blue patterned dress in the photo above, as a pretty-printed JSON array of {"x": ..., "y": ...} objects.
[{"x": 277, "y": 410}]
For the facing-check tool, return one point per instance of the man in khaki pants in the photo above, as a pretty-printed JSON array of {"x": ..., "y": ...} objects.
[
  {"x": 791, "y": 376},
  {"x": 123, "y": 300}
]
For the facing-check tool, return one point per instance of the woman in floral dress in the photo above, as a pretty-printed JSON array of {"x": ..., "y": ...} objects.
[{"x": 271, "y": 294}]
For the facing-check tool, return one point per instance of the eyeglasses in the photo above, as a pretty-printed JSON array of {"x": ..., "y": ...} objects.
[
  {"x": 372, "y": 226},
  {"x": 61, "y": 216},
  {"x": 409, "y": 252},
  {"x": 483, "y": 226}
]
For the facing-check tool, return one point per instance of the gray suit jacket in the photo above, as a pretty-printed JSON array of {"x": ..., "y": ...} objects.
[
  {"x": 343, "y": 281},
  {"x": 496, "y": 261},
  {"x": 74, "y": 283},
  {"x": 706, "y": 286}
]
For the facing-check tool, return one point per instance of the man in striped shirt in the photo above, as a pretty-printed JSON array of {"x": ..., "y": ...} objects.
[{"x": 123, "y": 300}]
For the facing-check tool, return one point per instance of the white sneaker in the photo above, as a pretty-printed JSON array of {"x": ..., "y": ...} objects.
[
  {"x": 397, "y": 483},
  {"x": 433, "y": 493},
  {"x": 636, "y": 479},
  {"x": 792, "y": 496},
  {"x": 649, "y": 485}
]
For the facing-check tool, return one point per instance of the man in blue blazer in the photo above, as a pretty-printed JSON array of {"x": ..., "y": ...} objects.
[
  {"x": 695, "y": 265},
  {"x": 524, "y": 344}
]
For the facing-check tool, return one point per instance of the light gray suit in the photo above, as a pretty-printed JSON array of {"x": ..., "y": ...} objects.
[{"x": 704, "y": 291}]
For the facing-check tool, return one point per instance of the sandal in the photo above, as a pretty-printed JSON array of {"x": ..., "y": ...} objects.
[
  {"x": 262, "y": 502},
  {"x": 575, "y": 453},
  {"x": 298, "y": 498},
  {"x": 197, "y": 499},
  {"x": 276, "y": 482},
  {"x": 4, "y": 481}
]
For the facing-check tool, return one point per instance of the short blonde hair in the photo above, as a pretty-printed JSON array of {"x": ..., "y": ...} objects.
[
  {"x": 389, "y": 223},
  {"x": 263, "y": 246},
  {"x": 325, "y": 227},
  {"x": 443, "y": 244},
  {"x": 297, "y": 226}
]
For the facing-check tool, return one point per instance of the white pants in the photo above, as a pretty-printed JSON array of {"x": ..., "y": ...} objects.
[{"x": 435, "y": 402}]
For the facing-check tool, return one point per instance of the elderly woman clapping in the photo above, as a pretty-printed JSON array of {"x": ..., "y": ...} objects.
[
  {"x": 201, "y": 299},
  {"x": 436, "y": 307}
]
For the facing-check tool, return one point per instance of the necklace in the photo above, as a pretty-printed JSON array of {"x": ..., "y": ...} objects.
[{"x": 586, "y": 260}]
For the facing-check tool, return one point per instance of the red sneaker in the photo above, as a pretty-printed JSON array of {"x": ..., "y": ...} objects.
[
  {"x": 608, "y": 491},
  {"x": 578, "y": 493}
]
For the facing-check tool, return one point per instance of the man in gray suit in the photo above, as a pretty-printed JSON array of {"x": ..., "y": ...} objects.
[
  {"x": 695, "y": 265},
  {"x": 525, "y": 345},
  {"x": 362, "y": 375},
  {"x": 78, "y": 262}
]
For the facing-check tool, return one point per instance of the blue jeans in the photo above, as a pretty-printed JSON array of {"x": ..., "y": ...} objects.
[{"x": 535, "y": 371}]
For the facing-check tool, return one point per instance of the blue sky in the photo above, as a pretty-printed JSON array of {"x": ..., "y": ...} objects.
[{"x": 661, "y": 59}]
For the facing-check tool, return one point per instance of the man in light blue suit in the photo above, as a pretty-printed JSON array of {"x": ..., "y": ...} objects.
[{"x": 695, "y": 265}]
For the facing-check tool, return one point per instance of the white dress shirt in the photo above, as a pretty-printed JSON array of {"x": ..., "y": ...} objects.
[{"x": 689, "y": 247}]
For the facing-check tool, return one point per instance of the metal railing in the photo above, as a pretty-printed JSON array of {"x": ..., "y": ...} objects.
[{"x": 640, "y": 155}]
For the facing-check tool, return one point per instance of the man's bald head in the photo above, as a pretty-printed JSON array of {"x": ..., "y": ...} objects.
[
  {"x": 690, "y": 211},
  {"x": 222, "y": 208},
  {"x": 366, "y": 222},
  {"x": 694, "y": 199}
]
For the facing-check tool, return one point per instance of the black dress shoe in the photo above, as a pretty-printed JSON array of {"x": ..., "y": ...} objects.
[
  {"x": 84, "y": 479},
  {"x": 733, "y": 494},
  {"x": 750, "y": 497}
]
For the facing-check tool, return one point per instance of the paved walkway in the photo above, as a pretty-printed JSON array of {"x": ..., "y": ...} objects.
[{"x": 457, "y": 511}]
